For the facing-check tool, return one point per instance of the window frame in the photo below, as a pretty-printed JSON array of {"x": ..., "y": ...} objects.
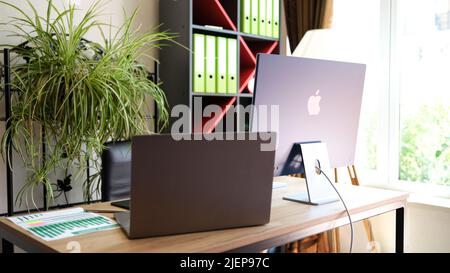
[{"x": 388, "y": 150}]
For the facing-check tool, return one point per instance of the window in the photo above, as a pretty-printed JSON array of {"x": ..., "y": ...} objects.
[
  {"x": 404, "y": 135},
  {"x": 422, "y": 53}
]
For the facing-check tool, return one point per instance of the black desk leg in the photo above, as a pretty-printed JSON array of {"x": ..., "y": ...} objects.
[
  {"x": 7, "y": 247},
  {"x": 399, "y": 230}
]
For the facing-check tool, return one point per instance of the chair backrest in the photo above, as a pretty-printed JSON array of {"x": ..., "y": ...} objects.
[{"x": 116, "y": 171}]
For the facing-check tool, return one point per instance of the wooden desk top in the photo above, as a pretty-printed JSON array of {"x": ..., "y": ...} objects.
[{"x": 289, "y": 221}]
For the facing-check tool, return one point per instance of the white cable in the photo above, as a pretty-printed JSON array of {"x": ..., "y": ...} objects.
[{"x": 345, "y": 206}]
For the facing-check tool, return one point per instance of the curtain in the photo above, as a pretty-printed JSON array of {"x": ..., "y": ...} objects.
[{"x": 304, "y": 15}]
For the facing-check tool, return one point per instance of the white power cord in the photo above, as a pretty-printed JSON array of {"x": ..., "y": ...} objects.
[{"x": 345, "y": 206}]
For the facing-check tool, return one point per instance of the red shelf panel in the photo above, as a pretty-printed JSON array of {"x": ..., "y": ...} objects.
[
  {"x": 261, "y": 47},
  {"x": 211, "y": 12},
  {"x": 212, "y": 122},
  {"x": 249, "y": 50},
  {"x": 247, "y": 57},
  {"x": 272, "y": 48},
  {"x": 246, "y": 76},
  {"x": 247, "y": 66}
]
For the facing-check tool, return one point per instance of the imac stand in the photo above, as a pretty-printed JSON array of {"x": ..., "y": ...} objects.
[{"x": 318, "y": 189}]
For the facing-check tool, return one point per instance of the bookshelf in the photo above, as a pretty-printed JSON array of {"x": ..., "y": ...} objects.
[{"x": 189, "y": 17}]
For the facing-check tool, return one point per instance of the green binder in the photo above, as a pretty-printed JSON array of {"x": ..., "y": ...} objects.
[
  {"x": 232, "y": 66},
  {"x": 276, "y": 19},
  {"x": 222, "y": 63},
  {"x": 255, "y": 17},
  {"x": 210, "y": 64},
  {"x": 262, "y": 18},
  {"x": 269, "y": 17},
  {"x": 246, "y": 15},
  {"x": 199, "y": 63}
]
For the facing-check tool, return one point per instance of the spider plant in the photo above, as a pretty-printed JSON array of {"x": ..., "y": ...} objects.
[{"x": 75, "y": 95}]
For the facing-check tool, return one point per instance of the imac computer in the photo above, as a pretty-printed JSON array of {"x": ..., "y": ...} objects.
[{"x": 316, "y": 101}]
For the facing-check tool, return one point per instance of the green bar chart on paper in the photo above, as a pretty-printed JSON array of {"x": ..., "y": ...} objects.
[{"x": 63, "y": 224}]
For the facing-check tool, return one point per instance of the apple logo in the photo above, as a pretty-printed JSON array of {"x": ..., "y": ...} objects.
[{"x": 314, "y": 104}]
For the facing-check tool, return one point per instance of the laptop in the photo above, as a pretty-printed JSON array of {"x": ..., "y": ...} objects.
[
  {"x": 197, "y": 185},
  {"x": 318, "y": 100}
]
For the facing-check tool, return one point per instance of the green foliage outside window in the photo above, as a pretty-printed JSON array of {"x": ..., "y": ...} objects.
[{"x": 424, "y": 152}]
